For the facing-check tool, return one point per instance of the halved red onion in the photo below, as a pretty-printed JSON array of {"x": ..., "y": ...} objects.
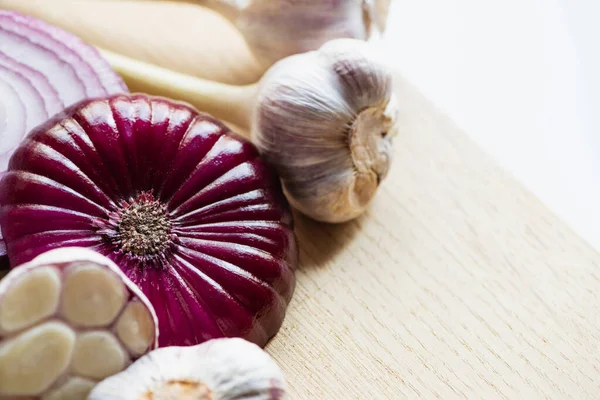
[
  {"x": 42, "y": 70},
  {"x": 184, "y": 206}
]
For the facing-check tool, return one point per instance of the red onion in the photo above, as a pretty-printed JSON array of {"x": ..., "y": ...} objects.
[
  {"x": 184, "y": 206},
  {"x": 42, "y": 70}
]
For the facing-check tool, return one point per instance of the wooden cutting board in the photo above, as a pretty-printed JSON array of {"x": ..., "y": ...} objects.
[{"x": 457, "y": 283}]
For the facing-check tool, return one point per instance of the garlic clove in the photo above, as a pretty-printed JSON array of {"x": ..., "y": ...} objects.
[
  {"x": 92, "y": 295},
  {"x": 98, "y": 354},
  {"x": 135, "y": 328},
  {"x": 19, "y": 309},
  {"x": 73, "y": 389},
  {"x": 220, "y": 369},
  {"x": 32, "y": 361},
  {"x": 44, "y": 352},
  {"x": 325, "y": 120}
]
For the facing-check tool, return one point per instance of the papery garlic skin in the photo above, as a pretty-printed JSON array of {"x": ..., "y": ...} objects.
[
  {"x": 325, "y": 120},
  {"x": 276, "y": 29},
  {"x": 220, "y": 369}
]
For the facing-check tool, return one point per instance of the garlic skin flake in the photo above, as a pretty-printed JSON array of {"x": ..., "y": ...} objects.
[
  {"x": 325, "y": 120},
  {"x": 220, "y": 369}
]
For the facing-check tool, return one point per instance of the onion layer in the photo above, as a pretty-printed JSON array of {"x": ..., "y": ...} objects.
[
  {"x": 42, "y": 70},
  {"x": 184, "y": 206}
]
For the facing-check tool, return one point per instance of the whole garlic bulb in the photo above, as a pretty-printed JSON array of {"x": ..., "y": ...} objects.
[
  {"x": 325, "y": 120},
  {"x": 275, "y": 29},
  {"x": 220, "y": 369}
]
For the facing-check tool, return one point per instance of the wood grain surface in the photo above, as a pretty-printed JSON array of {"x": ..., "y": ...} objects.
[{"x": 458, "y": 283}]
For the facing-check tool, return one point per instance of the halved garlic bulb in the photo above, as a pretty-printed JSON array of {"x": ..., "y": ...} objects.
[
  {"x": 220, "y": 369},
  {"x": 68, "y": 319}
]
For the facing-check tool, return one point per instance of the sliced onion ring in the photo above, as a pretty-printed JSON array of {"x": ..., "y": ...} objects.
[
  {"x": 52, "y": 101},
  {"x": 43, "y": 69},
  {"x": 52, "y": 65}
]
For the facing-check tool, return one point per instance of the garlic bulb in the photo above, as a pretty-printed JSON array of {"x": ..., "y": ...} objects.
[
  {"x": 220, "y": 369},
  {"x": 68, "y": 319},
  {"x": 324, "y": 119},
  {"x": 275, "y": 29}
]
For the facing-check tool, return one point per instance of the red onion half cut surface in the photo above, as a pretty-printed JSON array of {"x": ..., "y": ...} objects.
[
  {"x": 43, "y": 69},
  {"x": 183, "y": 205}
]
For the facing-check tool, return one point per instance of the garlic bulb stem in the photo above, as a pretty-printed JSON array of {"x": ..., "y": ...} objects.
[{"x": 228, "y": 102}]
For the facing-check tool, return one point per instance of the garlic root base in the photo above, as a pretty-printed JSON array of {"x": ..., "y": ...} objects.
[{"x": 64, "y": 327}]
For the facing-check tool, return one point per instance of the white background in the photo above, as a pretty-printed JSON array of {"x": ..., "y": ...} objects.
[{"x": 522, "y": 78}]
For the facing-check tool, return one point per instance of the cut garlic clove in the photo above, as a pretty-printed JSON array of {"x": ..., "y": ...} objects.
[
  {"x": 135, "y": 328},
  {"x": 43, "y": 353},
  {"x": 223, "y": 369},
  {"x": 98, "y": 355},
  {"x": 93, "y": 296},
  {"x": 73, "y": 389},
  {"x": 31, "y": 361},
  {"x": 30, "y": 299}
]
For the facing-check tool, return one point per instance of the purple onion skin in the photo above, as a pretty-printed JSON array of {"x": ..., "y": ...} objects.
[{"x": 184, "y": 206}]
